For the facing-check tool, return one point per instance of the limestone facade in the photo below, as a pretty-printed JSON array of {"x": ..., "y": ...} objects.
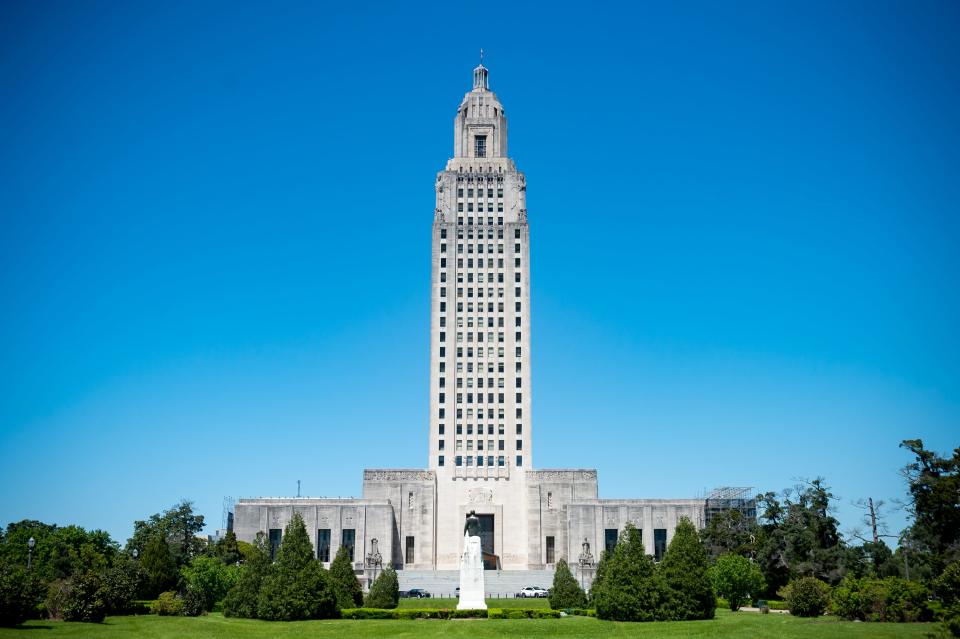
[{"x": 480, "y": 444}]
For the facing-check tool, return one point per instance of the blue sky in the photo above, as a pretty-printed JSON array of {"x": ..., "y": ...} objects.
[{"x": 214, "y": 263}]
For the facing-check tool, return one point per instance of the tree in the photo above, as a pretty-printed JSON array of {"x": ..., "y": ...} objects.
[
  {"x": 729, "y": 531},
  {"x": 228, "y": 550},
  {"x": 566, "y": 592},
  {"x": 630, "y": 588},
  {"x": 346, "y": 588},
  {"x": 207, "y": 580},
  {"x": 158, "y": 564},
  {"x": 178, "y": 526},
  {"x": 736, "y": 579},
  {"x": 298, "y": 587},
  {"x": 244, "y": 596},
  {"x": 934, "y": 485},
  {"x": 686, "y": 570},
  {"x": 120, "y": 584},
  {"x": 598, "y": 577},
  {"x": 385, "y": 591}
]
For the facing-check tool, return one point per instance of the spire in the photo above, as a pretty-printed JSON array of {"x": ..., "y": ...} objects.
[{"x": 480, "y": 76}]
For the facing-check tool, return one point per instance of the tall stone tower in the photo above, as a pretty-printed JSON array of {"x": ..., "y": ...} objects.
[{"x": 480, "y": 416}]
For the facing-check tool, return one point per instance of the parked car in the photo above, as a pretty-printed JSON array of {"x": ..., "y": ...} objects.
[
  {"x": 533, "y": 592},
  {"x": 415, "y": 593}
]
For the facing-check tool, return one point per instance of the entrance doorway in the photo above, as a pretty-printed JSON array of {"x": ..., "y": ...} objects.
[{"x": 487, "y": 545}]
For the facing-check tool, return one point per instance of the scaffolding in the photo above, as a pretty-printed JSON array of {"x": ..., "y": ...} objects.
[{"x": 727, "y": 498}]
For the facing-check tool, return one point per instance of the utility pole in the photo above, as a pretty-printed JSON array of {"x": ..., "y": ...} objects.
[{"x": 298, "y": 495}]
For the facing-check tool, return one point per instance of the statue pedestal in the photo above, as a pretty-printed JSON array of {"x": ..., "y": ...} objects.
[{"x": 471, "y": 576}]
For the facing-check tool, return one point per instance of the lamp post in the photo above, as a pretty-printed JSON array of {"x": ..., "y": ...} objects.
[
  {"x": 30, "y": 544},
  {"x": 135, "y": 553}
]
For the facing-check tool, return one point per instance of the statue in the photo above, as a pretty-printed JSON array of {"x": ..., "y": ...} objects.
[
  {"x": 471, "y": 566},
  {"x": 472, "y": 526}
]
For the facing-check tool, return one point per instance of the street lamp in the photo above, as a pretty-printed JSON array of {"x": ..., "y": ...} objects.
[
  {"x": 30, "y": 544},
  {"x": 136, "y": 553}
]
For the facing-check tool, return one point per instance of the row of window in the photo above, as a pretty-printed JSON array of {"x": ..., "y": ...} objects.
[
  {"x": 480, "y": 426},
  {"x": 443, "y": 367},
  {"x": 479, "y": 192},
  {"x": 348, "y": 538},
  {"x": 443, "y": 412},
  {"x": 479, "y": 322},
  {"x": 443, "y": 264},
  {"x": 611, "y": 535},
  {"x": 468, "y": 460},
  {"x": 479, "y": 382},
  {"x": 442, "y": 398}
]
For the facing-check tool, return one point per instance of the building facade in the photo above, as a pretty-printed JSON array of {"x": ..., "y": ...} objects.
[{"x": 480, "y": 443}]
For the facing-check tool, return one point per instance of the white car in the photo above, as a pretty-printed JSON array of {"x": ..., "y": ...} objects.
[{"x": 533, "y": 591}]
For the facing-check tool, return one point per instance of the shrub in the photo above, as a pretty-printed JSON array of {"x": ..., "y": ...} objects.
[
  {"x": 890, "y": 599},
  {"x": 119, "y": 586},
  {"x": 158, "y": 565},
  {"x": 84, "y": 601},
  {"x": 57, "y": 591},
  {"x": 194, "y": 602},
  {"x": 207, "y": 581},
  {"x": 947, "y": 589},
  {"x": 807, "y": 597},
  {"x": 385, "y": 591},
  {"x": 566, "y": 592},
  {"x": 168, "y": 604},
  {"x": 736, "y": 579},
  {"x": 685, "y": 568},
  {"x": 20, "y": 593},
  {"x": 344, "y": 582}
]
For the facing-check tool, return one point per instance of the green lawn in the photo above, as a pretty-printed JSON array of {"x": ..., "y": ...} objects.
[{"x": 726, "y": 625}]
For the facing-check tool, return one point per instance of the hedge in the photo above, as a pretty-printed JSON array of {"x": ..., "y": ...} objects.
[{"x": 450, "y": 613}]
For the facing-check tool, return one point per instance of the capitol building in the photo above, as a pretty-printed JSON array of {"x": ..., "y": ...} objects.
[{"x": 481, "y": 426}]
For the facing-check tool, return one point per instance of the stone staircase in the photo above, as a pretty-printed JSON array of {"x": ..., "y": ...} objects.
[{"x": 499, "y": 584}]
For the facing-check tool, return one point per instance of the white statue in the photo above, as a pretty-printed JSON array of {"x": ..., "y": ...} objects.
[{"x": 471, "y": 567}]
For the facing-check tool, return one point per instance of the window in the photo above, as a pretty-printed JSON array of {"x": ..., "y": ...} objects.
[
  {"x": 323, "y": 544},
  {"x": 659, "y": 543},
  {"x": 500, "y": 445},
  {"x": 440, "y": 461},
  {"x": 519, "y": 429},
  {"x": 275, "y": 535},
  {"x": 481, "y": 147},
  {"x": 500, "y": 460},
  {"x": 550, "y": 550},
  {"x": 519, "y": 463},
  {"x": 519, "y": 446},
  {"x": 349, "y": 538},
  {"x": 459, "y": 460},
  {"x": 443, "y": 234},
  {"x": 441, "y": 444},
  {"x": 408, "y": 555},
  {"x": 610, "y": 539},
  {"x": 441, "y": 429}
]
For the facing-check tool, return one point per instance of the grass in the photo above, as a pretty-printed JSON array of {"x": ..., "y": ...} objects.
[{"x": 726, "y": 625}]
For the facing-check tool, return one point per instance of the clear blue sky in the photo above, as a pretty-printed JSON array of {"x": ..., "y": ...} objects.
[{"x": 214, "y": 256}]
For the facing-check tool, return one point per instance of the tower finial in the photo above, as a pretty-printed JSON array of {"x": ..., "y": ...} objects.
[{"x": 481, "y": 55}]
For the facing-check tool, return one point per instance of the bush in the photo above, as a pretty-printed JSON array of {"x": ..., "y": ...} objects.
[
  {"x": 194, "y": 602},
  {"x": 685, "y": 568},
  {"x": 207, "y": 580},
  {"x": 119, "y": 586},
  {"x": 20, "y": 594},
  {"x": 947, "y": 589},
  {"x": 807, "y": 597},
  {"x": 736, "y": 579},
  {"x": 168, "y": 604},
  {"x": 84, "y": 601},
  {"x": 890, "y": 599},
  {"x": 385, "y": 591},
  {"x": 566, "y": 592},
  {"x": 344, "y": 582}
]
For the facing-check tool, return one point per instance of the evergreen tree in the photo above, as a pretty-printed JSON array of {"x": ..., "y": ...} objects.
[
  {"x": 385, "y": 591},
  {"x": 298, "y": 587},
  {"x": 346, "y": 587},
  {"x": 566, "y": 592},
  {"x": 631, "y": 589},
  {"x": 598, "y": 577},
  {"x": 227, "y": 549},
  {"x": 157, "y": 562},
  {"x": 685, "y": 568},
  {"x": 242, "y": 599}
]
